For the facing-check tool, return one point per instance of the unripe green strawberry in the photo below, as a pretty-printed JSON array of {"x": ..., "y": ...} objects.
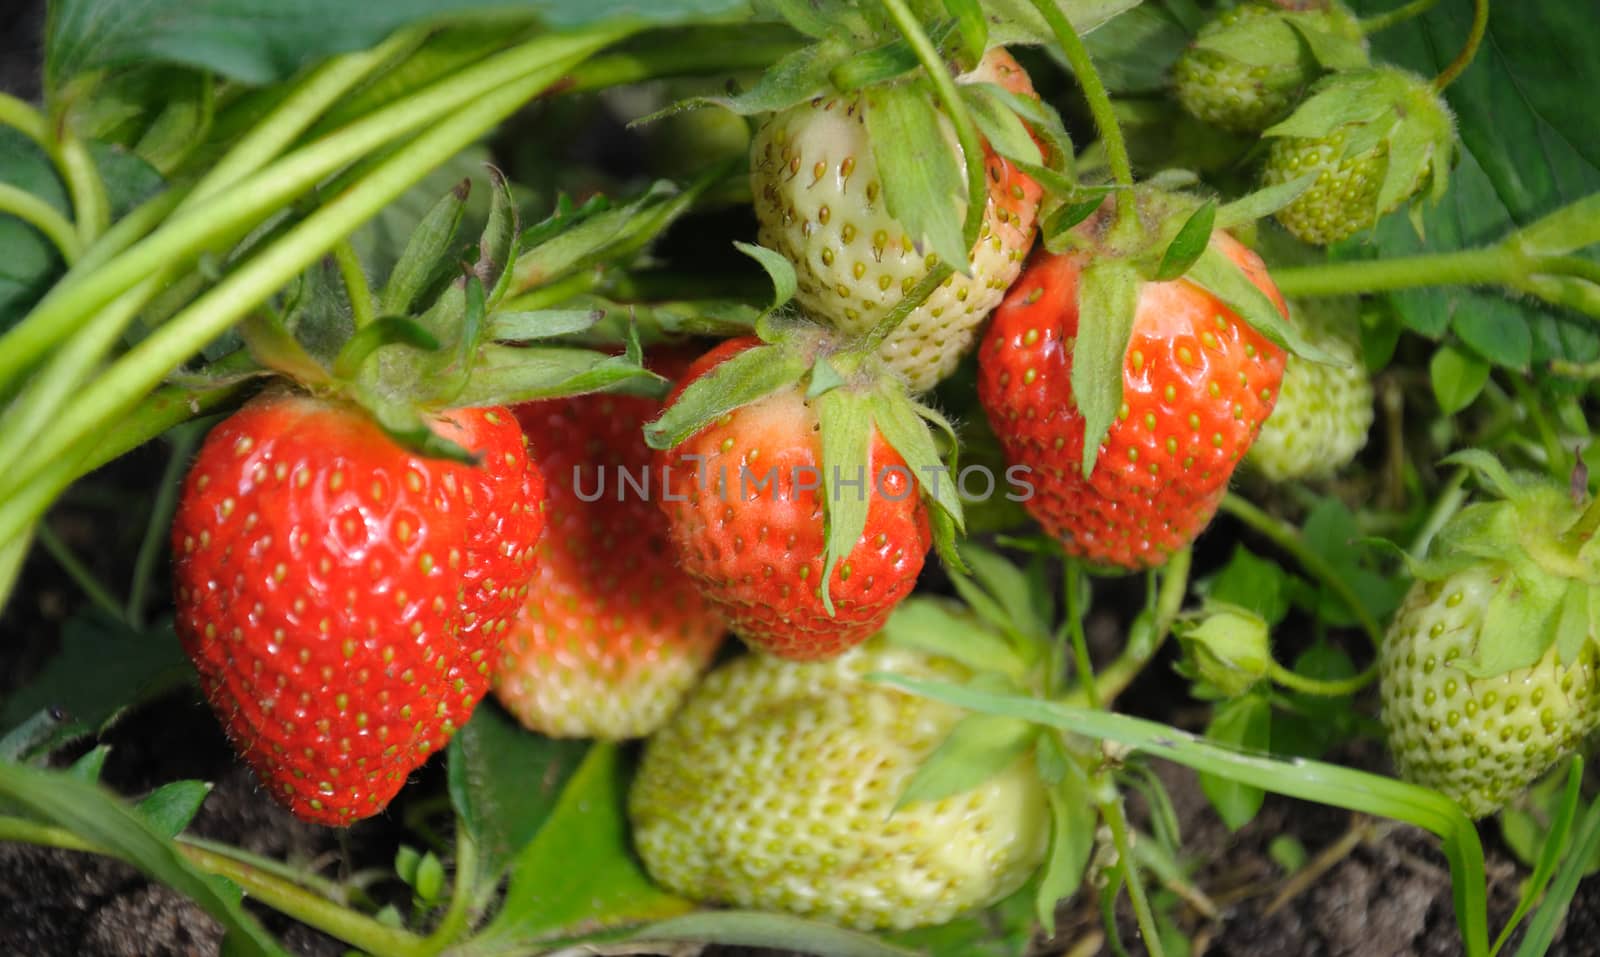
[
  {"x": 819, "y": 199},
  {"x": 1489, "y": 668},
  {"x": 1372, "y": 139},
  {"x": 1480, "y": 741},
  {"x": 775, "y": 788},
  {"x": 1324, "y": 411},
  {"x": 1246, "y": 68}
]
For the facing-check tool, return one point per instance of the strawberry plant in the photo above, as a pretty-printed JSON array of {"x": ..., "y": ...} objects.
[{"x": 1013, "y": 467}]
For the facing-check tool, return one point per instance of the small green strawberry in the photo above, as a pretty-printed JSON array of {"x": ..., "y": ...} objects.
[
  {"x": 1246, "y": 68},
  {"x": 776, "y": 788},
  {"x": 1372, "y": 139},
  {"x": 1324, "y": 411},
  {"x": 1489, "y": 668}
]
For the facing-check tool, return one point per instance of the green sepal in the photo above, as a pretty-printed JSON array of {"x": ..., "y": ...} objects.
[
  {"x": 507, "y": 375},
  {"x": 924, "y": 184},
  {"x": 1058, "y": 225},
  {"x": 1344, "y": 99},
  {"x": 824, "y": 378},
  {"x": 661, "y": 321},
  {"x": 426, "y": 259},
  {"x": 902, "y": 426},
  {"x": 1332, "y": 51},
  {"x": 1192, "y": 239},
  {"x": 1222, "y": 277},
  {"x": 403, "y": 423},
  {"x": 796, "y": 78},
  {"x": 1263, "y": 202},
  {"x": 542, "y": 324},
  {"x": 778, "y": 268},
  {"x": 978, "y": 748},
  {"x": 875, "y": 66},
  {"x": 943, "y": 627},
  {"x": 845, "y": 418},
  {"x": 387, "y": 330},
  {"x": 169, "y": 808},
  {"x": 821, "y": 18},
  {"x": 1262, "y": 41},
  {"x": 752, "y": 374},
  {"x": 274, "y": 347},
  {"x": 1108, "y": 303},
  {"x": 1575, "y": 620},
  {"x": 998, "y": 124},
  {"x": 1519, "y": 622},
  {"x": 500, "y": 243},
  {"x": 1489, "y": 471},
  {"x": 1045, "y": 124}
]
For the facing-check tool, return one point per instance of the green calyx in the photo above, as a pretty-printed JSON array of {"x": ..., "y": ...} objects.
[
  {"x": 1383, "y": 130},
  {"x": 1246, "y": 68},
  {"x": 1547, "y": 567},
  {"x": 1226, "y": 646}
]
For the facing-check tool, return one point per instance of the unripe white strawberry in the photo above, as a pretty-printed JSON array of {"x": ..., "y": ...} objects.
[
  {"x": 819, "y": 200},
  {"x": 775, "y": 788},
  {"x": 1324, "y": 411}
]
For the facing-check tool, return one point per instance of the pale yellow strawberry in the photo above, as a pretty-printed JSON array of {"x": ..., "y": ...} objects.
[{"x": 1324, "y": 410}]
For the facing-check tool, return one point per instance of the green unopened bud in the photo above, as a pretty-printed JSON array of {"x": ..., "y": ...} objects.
[{"x": 1227, "y": 648}]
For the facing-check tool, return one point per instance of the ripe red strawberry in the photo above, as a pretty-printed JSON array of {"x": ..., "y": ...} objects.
[
  {"x": 1197, "y": 384},
  {"x": 338, "y": 593},
  {"x": 818, "y": 197},
  {"x": 612, "y": 634},
  {"x": 747, "y": 524}
]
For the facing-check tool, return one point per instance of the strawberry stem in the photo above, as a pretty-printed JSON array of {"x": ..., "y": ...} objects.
[
  {"x": 1480, "y": 25},
  {"x": 1094, "y": 90},
  {"x": 43, "y": 217},
  {"x": 1168, "y": 602},
  {"x": 1469, "y": 267},
  {"x": 1322, "y": 688},
  {"x": 1116, "y": 820},
  {"x": 1399, "y": 15},
  {"x": 153, "y": 546},
  {"x": 1072, "y": 588}
]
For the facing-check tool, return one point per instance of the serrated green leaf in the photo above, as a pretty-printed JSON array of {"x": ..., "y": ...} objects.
[
  {"x": 779, "y": 269},
  {"x": 944, "y": 628},
  {"x": 847, "y": 487},
  {"x": 1223, "y": 278},
  {"x": 1457, "y": 376},
  {"x": 169, "y": 808},
  {"x": 752, "y": 374},
  {"x": 1191, "y": 240},
  {"x": 1242, "y": 723},
  {"x": 1263, "y": 202},
  {"x": 425, "y": 258},
  {"x": 1072, "y": 827},
  {"x": 977, "y": 749},
  {"x": 998, "y": 124},
  {"x": 504, "y": 782},
  {"x": 97, "y": 817},
  {"x": 1108, "y": 303},
  {"x": 924, "y": 182}
]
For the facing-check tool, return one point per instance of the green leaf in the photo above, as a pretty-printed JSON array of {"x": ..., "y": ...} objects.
[
  {"x": 1553, "y": 911},
  {"x": 1457, "y": 376},
  {"x": 262, "y": 41},
  {"x": 1192, "y": 239},
  {"x": 750, "y": 929},
  {"x": 924, "y": 184},
  {"x": 87, "y": 768},
  {"x": 542, "y": 324},
  {"x": 102, "y": 669},
  {"x": 424, "y": 261},
  {"x": 585, "y": 841},
  {"x": 99, "y": 818},
  {"x": 1242, "y": 723},
  {"x": 430, "y": 878},
  {"x": 977, "y": 749},
  {"x": 752, "y": 374},
  {"x": 1135, "y": 51},
  {"x": 1108, "y": 303},
  {"x": 1552, "y": 849},
  {"x": 171, "y": 807},
  {"x": 504, "y": 783},
  {"x": 779, "y": 269},
  {"x": 1249, "y": 581},
  {"x": 1072, "y": 827},
  {"x": 846, "y": 421}
]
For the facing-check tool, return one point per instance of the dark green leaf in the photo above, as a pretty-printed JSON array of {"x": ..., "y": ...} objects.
[
  {"x": 977, "y": 749},
  {"x": 1192, "y": 239},
  {"x": 97, "y": 817},
  {"x": 1457, "y": 376},
  {"x": 924, "y": 183},
  {"x": 103, "y": 667},
  {"x": 585, "y": 841},
  {"x": 171, "y": 807},
  {"x": 1254, "y": 583},
  {"x": 1244, "y": 723},
  {"x": 504, "y": 782},
  {"x": 1108, "y": 301}
]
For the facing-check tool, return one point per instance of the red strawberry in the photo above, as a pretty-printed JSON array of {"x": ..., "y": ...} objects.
[
  {"x": 612, "y": 634},
  {"x": 1197, "y": 384},
  {"x": 336, "y": 592},
  {"x": 756, "y": 551}
]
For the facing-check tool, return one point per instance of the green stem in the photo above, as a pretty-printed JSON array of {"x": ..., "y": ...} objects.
[
  {"x": 79, "y": 573},
  {"x": 355, "y": 283},
  {"x": 209, "y": 316},
  {"x": 1115, "y": 677},
  {"x": 309, "y": 908},
  {"x": 1287, "y": 537},
  {"x": 1117, "y": 820},
  {"x": 1100, "y": 106},
  {"x": 1470, "y": 267},
  {"x": 311, "y": 882},
  {"x": 1384, "y": 21},
  {"x": 1330, "y": 688},
  {"x": 183, "y": 441},
  {"x": 43, "y": 217},
  {"x": 1480, "y": 25},
  {"x": 458, "y": 915},
  {"x": 23, "y": 118},
  {"x": 1072, "y": 587},
  {"x": 91, "y": 208}
]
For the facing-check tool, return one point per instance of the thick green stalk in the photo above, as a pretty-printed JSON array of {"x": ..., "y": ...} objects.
[
  {"x": 91, "y": 208},
  {"x": 43, "y": 217},
  {"x": 1470, "y": 267},
  {"x": 1383, "y": 21},
  {"x": 143, "y": 367}
]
